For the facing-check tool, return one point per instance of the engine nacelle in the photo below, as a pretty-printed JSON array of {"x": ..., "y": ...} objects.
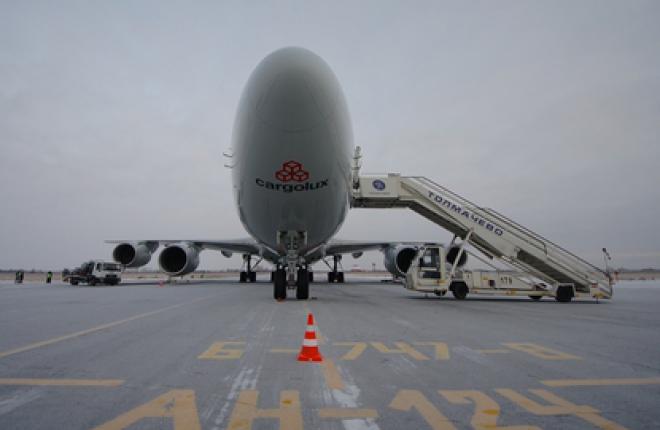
[
  {"x": 452, "y": 253},
  {"x": 179, "y": 259},
  {"x": 133, "y": 254},
  {"x": 398, "y": 259}
]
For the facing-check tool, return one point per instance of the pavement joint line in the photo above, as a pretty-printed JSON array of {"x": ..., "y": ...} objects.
[
  {"x": 332, "y": 375},
  {"x": 62, "y": 382},
  {"x": 92, "y": 330},
  {"x": 600, "y": 382}
]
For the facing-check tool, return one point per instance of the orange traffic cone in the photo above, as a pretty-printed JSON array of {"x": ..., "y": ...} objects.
[{"x": 310, "y": 347}]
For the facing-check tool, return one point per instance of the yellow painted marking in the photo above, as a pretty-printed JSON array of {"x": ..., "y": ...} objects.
[
  {"x": 405, "y": 400},
  {"x": 493, "y": 351},
  {"x": 91, "y": 330},
  {"x": 541, "y": 351},
  {"x": 600, "y": 382},
  {"x": 245, "y": 411},
  {"x": 347, "y": 413},
  {"x": 217, "y": 351},
  {"x": 63, "y": 382},
  {"x": 558, "y": 406},
  {"x": 441, "y": 349},
  {"x": 284, "y": 351},
  {"x": 355, "y": 352},
  {"x": 402, "y": 348},
  {"x": 332, "y": 376},
  {"x": 486, "y": 410},
  {"x": 179, "y": 405}
]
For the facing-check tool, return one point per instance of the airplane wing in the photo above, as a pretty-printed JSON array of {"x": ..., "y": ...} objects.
[
  {"x": 335, "y": 247},
  {"x": 149, "y": 246}
]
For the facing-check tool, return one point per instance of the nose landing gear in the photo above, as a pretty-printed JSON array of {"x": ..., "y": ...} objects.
[{"x": 280, "y": 283}]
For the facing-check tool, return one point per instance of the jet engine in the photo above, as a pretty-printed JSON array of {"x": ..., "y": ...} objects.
[
  {"x": 133, "y": 254},
  {"x": 452, "y": 253},
  {"x": 399, "y": 258},
  {"x": 179, "y": 259}
]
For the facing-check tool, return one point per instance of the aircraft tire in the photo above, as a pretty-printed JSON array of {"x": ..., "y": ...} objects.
[
  {"x": 252, "y": 276},
  {"x": 302, "y": 285},
  {"x": 536, "y": 298},
  {"x": 311, "y": 276},
  {"x": 331, "y": 277},
  {"x": 340, "y": 277},
  {"x": 279, "y": 285}
]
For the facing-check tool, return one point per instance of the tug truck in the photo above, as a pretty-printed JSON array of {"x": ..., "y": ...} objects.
[
  {"x": 94, "y": 272},
  {"x": 432, "y": 272}
]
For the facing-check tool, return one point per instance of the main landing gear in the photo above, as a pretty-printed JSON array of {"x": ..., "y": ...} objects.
[
  {"x": 248, "y": 275},
  {"x": 303, "y": 277},
  {"x": 335, "y": 275}
]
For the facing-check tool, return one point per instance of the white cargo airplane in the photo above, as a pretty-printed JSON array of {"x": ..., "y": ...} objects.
[{"x": 291, "y": 155}]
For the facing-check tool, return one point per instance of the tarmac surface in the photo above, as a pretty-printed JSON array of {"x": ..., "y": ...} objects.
[{"x": 223, "y": 355}]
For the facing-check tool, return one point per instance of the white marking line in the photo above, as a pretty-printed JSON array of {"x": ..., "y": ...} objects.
[
  {"x": 93, "y": 329},
  {"x": 18, "y": 399},
  {"x": 348, "y": 398},
  {"x": 247, "y": 377}
]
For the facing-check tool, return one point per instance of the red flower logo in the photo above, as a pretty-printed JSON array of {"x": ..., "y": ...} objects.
[{"x": 292, "y": 171}]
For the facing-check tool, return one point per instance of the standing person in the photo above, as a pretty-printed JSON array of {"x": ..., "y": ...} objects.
[
  {"x": 49, "y": 277},
  {"x": 17, "y": 279}
]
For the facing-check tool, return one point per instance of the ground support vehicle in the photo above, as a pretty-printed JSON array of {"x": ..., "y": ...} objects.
[
  {"x": 94, "y": 272},
  {"x": 433, "y": 272},
  {"x": 552, "y": 269}
]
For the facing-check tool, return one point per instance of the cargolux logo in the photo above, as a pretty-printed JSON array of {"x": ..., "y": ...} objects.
[{"x": 292, "y": 171}]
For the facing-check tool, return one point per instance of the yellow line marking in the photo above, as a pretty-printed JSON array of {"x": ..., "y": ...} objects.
[
  {"x": 540, "y": 351},
  {"x": 355, "y": 352},
  {"x": 406, "y": 400},
  {"x": 600, "y": 382},
  {"x": 493, "y": 351},
  {"x": 177, "y": 406},
  {"x": 284, "y": 351},
  {"x": 217, "y": 351},
  {"x": 401, "y": 348},
  {"x": 63, "y": 382},
  {"x": 332, "y": 375},
  {"x": 289, "y": 414},
  {"x": 441, "y": 349},
  {"x": 91, "y": 330},
  {"x": 347, "y": 413}
]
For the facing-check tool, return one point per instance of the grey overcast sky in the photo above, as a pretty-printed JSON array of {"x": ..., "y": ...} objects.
[{"x": 114, "y": 116}]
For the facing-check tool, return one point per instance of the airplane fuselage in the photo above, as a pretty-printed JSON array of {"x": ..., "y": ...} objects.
[{"x": 292, "y": 142}]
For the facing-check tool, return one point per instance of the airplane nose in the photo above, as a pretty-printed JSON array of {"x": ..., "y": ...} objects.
[
  {"x": 289, "y": 103},
  {"x": 293, "y": 89}
]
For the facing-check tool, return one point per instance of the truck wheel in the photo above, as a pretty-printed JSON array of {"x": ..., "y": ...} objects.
[
  {"x": 92, "y": 282},
  {"x": 74, "y": 282},
  {"x": 459, "y": 290},
  {"x": 564, "y": 294}
]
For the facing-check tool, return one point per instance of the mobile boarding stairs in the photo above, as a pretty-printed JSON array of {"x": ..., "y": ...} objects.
[{"x": 561, "y": 273}]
